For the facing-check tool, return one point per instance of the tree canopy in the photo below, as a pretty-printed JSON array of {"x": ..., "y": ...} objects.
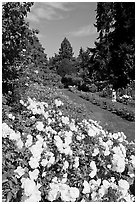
[{"x": 114, "y": 53}]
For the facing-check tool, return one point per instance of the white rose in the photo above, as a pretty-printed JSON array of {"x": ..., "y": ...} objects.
[
  {"x": 65, "y": 194},
  {"x": 28, "y": 185},
  {"x": 123, "y": 184},
  {"x": 74, "y": 193},
  {"x": 28, "y": 142},
  {"x": 14, "y": 136},
  {"x": 52, "y": 195},
  {"x": 58, "y": 103},
  {"x": 86, "y": 187},
  {"x": 20, "y": 171},
  {"x": 65, "y": 120},
  {"x": 34, "y": 174},
  {"x": 94, "y": 169},
  {"x": 19, "y": 144},
  {"x": 66, "y": 165},
  {"x": 96, "y": 152},
  {"x": 76, "y": 164},
  {"x": 34, "y": 162},
  {"x": 106, "y": 184},
  {"x": 40, "y": 126}
]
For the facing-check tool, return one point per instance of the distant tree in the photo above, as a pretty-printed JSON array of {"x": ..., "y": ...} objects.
[{"x": 65, "y": 51}]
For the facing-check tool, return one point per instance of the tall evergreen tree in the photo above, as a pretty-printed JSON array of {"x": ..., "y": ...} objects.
[
  {"x": 113, "y": 56},
  {"x": 65, "y": 51}
]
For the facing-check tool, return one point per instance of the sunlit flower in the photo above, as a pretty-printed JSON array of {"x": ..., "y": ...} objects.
[
  {"x": 64, "y": 179},
  {"x": 28, "y": 185},
  {"x": 58, "y": 103},
  {"x": 106, "y": 184},
  {"x": 28, "y": 142},
  {"x": 14, "y": 136},
  {"x": 65, "y": 194},
  {"x": 31, "y": 190},
  {"x": 66, "y": 165},
  {"x": 67, "y": 151},
  {"x": 96, "y": 152},
  {"x": 22, "y": 102},
  {"x": 50, "y": 159},
  {"x": 73, "y": 127},
  {"x": 34, "y": 162},
  {"x": 74, "y": 193},
  {"x": 76, "y": 164},
  {"x": 20, "y": 171},
  {"x": 86, "y": 187},
  {"x": 36, "y": 71},
  {"x": 102, "y": 191},
  {"x": 36, "y": 149},
  {"x": 65, "y": 120},
  {"x": 35, "y": 197},
  {"x": 123, "y": 184},
  {"x": 91, "y": 132},
  {"x": 6, "y": 130},
  {"x": 52, "y": 195},
  {"x": 40, "y": 126},
  {"x": 34, "y": 174},
  {"x": 93, "y": 169},
  {"x": 46, "y": 114},
  {"x": 118, "y": 163},
  {"x": 19, "y": 144},
  {"x": 94, "y": 184},
  {"x": 11, "y": 116}
]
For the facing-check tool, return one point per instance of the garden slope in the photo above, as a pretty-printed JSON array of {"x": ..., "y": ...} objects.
[{"x": 107, "y": 119}]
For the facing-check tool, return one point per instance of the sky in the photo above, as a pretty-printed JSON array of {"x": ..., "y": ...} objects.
[{"x": 57, "y": 20}]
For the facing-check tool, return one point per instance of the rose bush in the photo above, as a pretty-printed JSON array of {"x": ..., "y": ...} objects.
[{"x": 49, "y": 156}]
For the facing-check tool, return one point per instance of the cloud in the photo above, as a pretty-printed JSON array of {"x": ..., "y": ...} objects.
[
  {"x": 83, "y": 31},
  {"x": 49, "y": 11},
  {"x": 59, "y": 5}
]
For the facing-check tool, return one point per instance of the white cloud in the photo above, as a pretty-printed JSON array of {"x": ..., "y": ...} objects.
[
  {"x": 83, "y": 31},
  {"x": 48, "y": 10},
  {"x": 59, "y": 5}
]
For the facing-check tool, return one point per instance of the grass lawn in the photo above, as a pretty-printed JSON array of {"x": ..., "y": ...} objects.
[{"x": 107, "y": 119}]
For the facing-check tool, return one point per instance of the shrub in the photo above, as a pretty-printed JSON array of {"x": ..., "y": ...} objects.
[
  {"x": 92, "y": 88},
  {"x": 48, "y": 156},
  {"x": 71, "y": 80}
]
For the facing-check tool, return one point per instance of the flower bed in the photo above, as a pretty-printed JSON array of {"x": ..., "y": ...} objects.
[
  {"x": 117, "y": 108},
  {"x": 48, "y": 156}
]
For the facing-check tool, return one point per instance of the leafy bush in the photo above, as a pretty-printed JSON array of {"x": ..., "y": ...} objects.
[
  {"x": 71, "y": 80},
  {"x": 93, "y": 88},
  {"x": 66, "y": 67},
  {"x": 48, "y": 156}
]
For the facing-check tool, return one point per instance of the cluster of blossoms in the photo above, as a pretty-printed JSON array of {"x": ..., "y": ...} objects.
[
  {"x": 85, "y": 162},
  {"x": 63, "y": 190}
]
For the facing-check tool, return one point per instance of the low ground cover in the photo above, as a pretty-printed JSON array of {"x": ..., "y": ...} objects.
[{"x": 51, "y": 156}]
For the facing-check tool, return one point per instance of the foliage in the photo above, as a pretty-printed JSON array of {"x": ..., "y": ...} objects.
[
  {"x": 65, "y": 51},
  {"x": 66, "y": 67},
  {"x": 72, "y": 80},
  {"x": 13, "y": 39},
  {"x": 113, "y": 57}
]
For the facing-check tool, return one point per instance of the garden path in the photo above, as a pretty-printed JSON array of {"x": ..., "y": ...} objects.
[{"x": 106, "y": 119}]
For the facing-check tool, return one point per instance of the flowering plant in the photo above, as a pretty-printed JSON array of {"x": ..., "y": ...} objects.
[{"x": 48, "y": 156}]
